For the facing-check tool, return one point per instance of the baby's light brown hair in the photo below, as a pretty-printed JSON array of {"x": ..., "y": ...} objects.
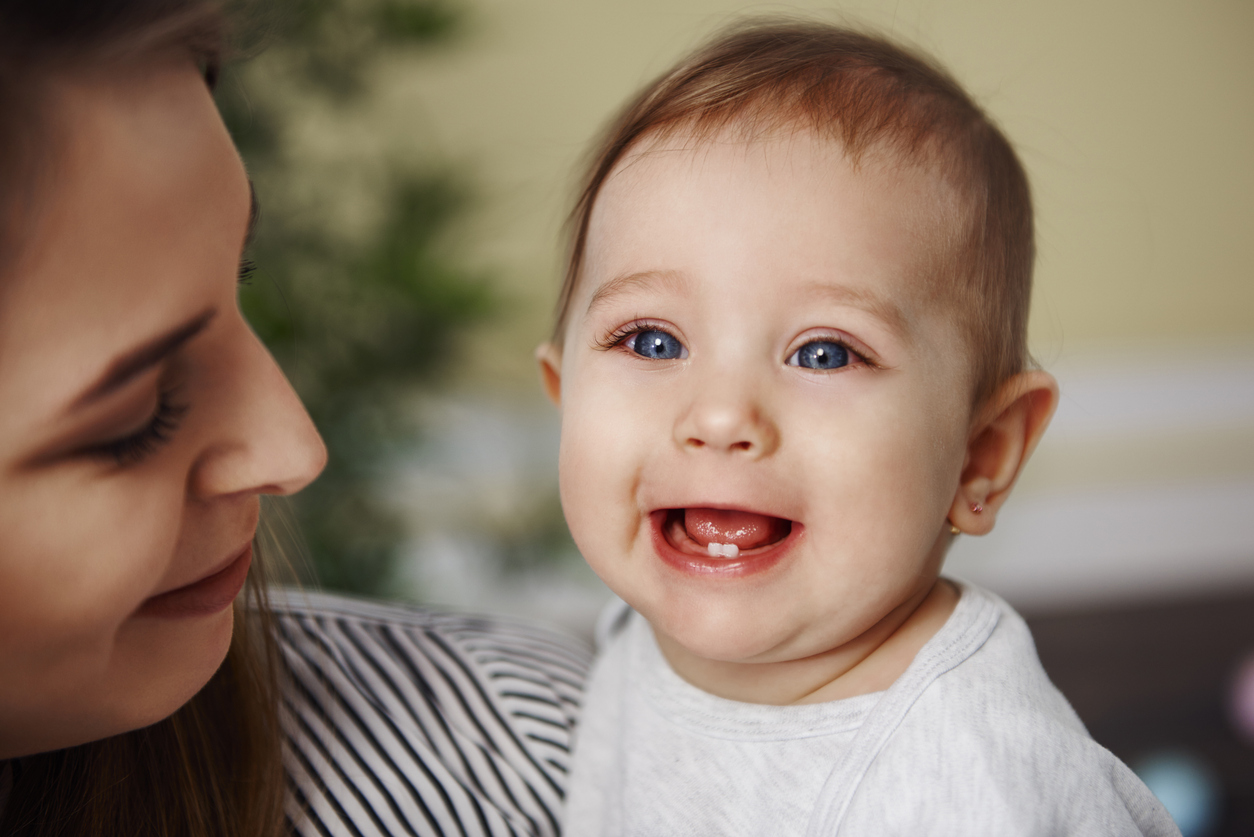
[{"x": 869, "y": 95}]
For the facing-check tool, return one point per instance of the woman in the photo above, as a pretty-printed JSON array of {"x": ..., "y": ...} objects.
[{"x": 141, "y": 423}]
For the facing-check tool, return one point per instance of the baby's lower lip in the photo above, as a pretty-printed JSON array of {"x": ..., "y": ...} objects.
[
  {"x": 210, "y": 595},
  {"x": 698, "y": 562}
]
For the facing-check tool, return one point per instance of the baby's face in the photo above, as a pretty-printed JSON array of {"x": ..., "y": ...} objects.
[{"x": 764, "y": 413}]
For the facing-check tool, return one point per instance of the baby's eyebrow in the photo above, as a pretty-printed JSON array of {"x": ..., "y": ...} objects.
[
  {"x": 879, "y": 306},
  {"x": 640, "y": 280}
]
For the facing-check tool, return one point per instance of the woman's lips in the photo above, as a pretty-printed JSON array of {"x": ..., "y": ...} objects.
[
  {"x": 674, "y": 546},
  {"x": 212, "y": 594}
]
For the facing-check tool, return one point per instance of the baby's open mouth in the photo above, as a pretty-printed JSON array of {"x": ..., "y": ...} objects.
[{"x": 723, "y": 533}]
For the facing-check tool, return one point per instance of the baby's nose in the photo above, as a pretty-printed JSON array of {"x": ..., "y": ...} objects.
[{"x": 727, "y": 424}]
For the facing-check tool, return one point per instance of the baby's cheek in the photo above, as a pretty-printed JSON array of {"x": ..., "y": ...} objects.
[
  {"x": 577, "y": 487},
  {"x": 922, "y": 473},
  {"x": 887, "y": 474},
  {"x": 585, "y": 478},
  {"x": 598, "y": 465},
  {"x": 589, "y": 516}
]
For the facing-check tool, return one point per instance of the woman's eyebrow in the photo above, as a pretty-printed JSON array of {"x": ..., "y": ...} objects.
[{"x": 135, "y": 362}]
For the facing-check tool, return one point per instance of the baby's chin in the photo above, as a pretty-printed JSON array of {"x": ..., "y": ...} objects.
[{"x": 724, "y": 635}]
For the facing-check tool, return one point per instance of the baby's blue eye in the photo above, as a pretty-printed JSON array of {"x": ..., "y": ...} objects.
[
  {"x": 657, "y": 345},
  {"x": 820, "y": 354}
]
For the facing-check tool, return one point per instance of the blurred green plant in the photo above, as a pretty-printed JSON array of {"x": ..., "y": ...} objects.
[{"x": 355, "y": 292}]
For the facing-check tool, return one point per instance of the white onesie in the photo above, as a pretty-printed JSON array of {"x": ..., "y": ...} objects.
[{"x": 972, "y": 739}]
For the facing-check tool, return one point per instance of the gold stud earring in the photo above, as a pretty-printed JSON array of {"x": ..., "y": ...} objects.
[{"x": 954, "y": 530}]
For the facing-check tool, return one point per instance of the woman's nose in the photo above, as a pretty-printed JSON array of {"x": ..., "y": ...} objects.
[
  {"x": 267, "y": 443},
  {"x": 727, "y": 421}
]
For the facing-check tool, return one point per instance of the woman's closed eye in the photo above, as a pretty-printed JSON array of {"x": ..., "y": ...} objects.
[{"x": 132, "y": 448}]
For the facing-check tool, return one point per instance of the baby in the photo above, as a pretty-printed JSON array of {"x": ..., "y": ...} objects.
[{"x": 790, "y": 359}]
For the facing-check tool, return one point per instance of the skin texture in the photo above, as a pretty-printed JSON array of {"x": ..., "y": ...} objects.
[
  {"x": 745, "y": 251},
  {"x": 140, "y": 233}
]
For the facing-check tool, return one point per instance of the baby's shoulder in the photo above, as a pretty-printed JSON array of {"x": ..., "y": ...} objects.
[
  {"x": 992, "y": 747},
  {"x": 1000, "y": 687}
]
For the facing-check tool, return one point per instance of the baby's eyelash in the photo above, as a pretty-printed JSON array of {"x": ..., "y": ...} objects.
[
  {"x": 623, "y": 333},
  {"x": 852, "y": 348},
  {"x": 844, "y": 344},
  {"x": 135, "y": 447}
]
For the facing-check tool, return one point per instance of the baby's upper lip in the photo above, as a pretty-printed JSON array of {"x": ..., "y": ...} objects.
[{"x": 723, "y": 505}]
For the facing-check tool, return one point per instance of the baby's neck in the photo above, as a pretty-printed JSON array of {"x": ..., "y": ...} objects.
[{"x": 869, "y": 663}]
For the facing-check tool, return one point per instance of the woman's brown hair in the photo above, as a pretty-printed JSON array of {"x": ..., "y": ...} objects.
[
  {"x": 215, "y": 766},
  {"x": 868, "y": 94}
]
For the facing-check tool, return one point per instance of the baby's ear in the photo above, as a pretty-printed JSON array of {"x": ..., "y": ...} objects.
[
  {"x": 549, "y": 357},
  {"x": 1002, "y": 438}
]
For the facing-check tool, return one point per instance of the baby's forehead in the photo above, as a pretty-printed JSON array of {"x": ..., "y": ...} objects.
[
  {"x": 804, "y": 185},
  {"x": 928, "y": 164}
]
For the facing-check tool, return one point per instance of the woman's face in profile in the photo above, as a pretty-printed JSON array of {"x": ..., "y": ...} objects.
[{"x": 141, "y": 417}]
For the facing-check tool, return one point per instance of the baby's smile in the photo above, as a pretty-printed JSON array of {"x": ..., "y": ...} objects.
[{"x": 723, "y": 541}]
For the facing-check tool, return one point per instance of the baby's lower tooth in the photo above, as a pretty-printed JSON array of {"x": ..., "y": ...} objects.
[
  {"x": 715, "y": 549},
  {"x": 722, "y": 550},
  {"x": 731, "y": 551}
]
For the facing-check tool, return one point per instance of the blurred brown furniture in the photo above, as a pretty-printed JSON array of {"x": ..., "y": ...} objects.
[{"x": 1156, "y": 676}]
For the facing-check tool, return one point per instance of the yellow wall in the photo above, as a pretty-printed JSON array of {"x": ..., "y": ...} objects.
[{"x": 1135, "y": 120}]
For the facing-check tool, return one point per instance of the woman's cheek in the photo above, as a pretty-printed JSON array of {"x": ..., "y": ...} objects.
[{"x": 124, "y": 534}]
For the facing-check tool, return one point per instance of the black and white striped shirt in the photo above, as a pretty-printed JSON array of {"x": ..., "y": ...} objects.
[{"x": 405, "y": 721}]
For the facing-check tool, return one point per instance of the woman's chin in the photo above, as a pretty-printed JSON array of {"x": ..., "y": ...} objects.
[
  {"x": 159, "y": 665},
  {"x": 154, "y": 669}
]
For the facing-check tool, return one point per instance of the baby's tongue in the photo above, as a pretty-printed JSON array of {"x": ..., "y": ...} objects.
[{"x": 745, "y": 529}]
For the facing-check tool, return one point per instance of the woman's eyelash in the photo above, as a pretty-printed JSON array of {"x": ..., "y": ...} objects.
[
  {"x": 246, "y": 269},
  {"x": 134, "y": 448}
]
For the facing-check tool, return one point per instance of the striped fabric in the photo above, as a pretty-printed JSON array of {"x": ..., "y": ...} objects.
[{"x": 404, "y": 721}]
